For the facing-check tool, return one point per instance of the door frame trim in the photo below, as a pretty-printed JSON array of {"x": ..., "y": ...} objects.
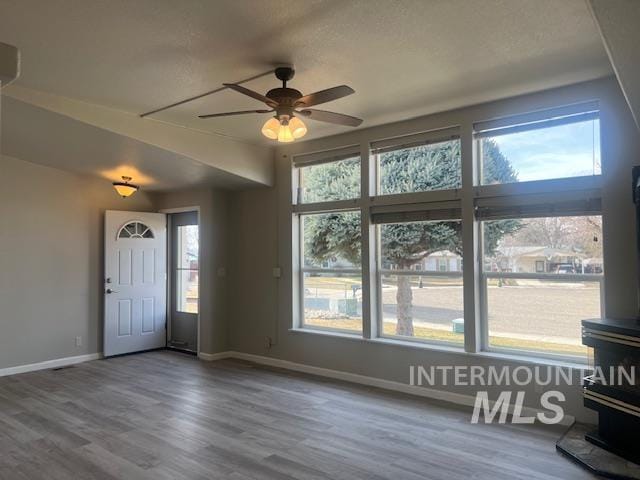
[
  {"x": 136, "y": 215},
  {"x": 169, "y": 211}
]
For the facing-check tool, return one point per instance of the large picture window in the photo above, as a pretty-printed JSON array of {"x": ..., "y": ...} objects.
[{"x": 382, "y": 239}]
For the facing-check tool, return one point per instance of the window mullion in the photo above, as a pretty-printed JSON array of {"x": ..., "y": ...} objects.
[
  {"x": 470, "y": 234},
  {"x": 483, "y": 321},
  {"x": 368, "y": 248}
]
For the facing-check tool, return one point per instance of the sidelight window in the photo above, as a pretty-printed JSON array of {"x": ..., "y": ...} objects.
[{"x": 187, "y": 269}]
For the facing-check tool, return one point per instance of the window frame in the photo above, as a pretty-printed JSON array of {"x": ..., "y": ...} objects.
[
  {"x": 179, "y": 270},
  {"x": 432, "y": 137},
  {"x": 531, "y": 121},
  {"x": 380, "y": 317},
  {"x": 466, "y": 199},
  {"x": 381, "y": 272},
  {"x": 307, "y": 326},
  {"x": 485, "y": 345},
  {"x": 320, "y": 158},
  {"x": 318, "y": 208}
]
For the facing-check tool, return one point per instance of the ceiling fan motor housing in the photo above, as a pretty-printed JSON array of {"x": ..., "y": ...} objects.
[{"x": 286, "y": 99}]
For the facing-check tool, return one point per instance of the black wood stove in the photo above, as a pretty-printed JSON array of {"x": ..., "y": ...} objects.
[
  {"x": 613, "y": 390},
  {"x": 616, "y": 347}
]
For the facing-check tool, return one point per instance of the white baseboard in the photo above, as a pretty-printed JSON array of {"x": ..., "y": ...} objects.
[
  {"x": 451, "y": 397},
  {"x": 55, "y": 363},
  {"x": 209, "y": 357}
]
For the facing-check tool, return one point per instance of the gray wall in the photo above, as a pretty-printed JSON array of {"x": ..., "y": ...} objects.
[
  {"x": 255, "y": 214},
  {"x": 213, "y": 206},
  {"x": 51, "y": 260},
  {"x": 253, "y": 289}
]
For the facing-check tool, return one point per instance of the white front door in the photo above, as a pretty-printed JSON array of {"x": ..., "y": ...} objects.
[{"x": 135, "y": 288}]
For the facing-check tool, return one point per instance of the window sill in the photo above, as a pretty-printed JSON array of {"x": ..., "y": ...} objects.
[
  {"x": 328, "y": 333},
  {"x": 529, "y": 359},
  {"x": 436, "y": 347},
  {"x": 516, "y": 358}
]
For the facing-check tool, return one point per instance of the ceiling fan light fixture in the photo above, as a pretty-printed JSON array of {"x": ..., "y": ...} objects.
[
  {"x": 298, "y": 128},
  {"x": 271, "y": 128},
  {"x": 124, "y": 188},
  {"x": 284, "y": 130},
  {"x": 285, "y": 135}
]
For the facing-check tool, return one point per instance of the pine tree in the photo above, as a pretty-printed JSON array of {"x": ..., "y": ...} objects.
[{"x": 424, "y": 168}]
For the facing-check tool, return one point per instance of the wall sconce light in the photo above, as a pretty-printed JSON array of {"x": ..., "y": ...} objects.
[{"x": 124, "y": 188}]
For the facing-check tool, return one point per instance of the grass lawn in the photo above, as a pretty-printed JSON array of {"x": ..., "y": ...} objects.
[
  {"x": 446, "y": 336},
  {"x": 338, "y": 282},
  {"x": 331, "y": 282}
]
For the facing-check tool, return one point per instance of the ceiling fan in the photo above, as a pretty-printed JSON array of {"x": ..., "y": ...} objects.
[{"x": 289, "y": 104}]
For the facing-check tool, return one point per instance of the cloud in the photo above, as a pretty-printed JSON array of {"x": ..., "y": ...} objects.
[{"x": 555, "y": 152}]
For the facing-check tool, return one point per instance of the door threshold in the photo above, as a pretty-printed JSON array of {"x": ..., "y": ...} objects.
[
  {"x": 182, "y": 350},
  {"x": 134, "y": 353}
]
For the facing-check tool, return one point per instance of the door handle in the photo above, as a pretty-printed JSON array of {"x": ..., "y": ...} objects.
[{"x": 108, "y": 290}]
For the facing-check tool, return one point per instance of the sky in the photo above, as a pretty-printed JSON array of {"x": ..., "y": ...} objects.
[{"x": 555, "y": 152}]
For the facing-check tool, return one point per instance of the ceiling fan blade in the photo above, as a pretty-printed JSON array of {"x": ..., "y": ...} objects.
[
  {"x": 324, "y": 96},
  {"x": 228, "y": 114},
  {"x": 251, "y": 93},
  {"x": 331, "y": 117}
]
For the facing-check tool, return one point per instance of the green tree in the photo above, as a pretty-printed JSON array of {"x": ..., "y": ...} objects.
[{"x": 423, "y": 168}]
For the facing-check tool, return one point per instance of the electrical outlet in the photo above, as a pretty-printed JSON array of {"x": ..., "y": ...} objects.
[
  {"x": 78, "y": 341},
  {"x": 268, "y": 342}
]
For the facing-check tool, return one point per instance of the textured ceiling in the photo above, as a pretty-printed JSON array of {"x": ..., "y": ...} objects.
[{"x": 404, "y": 58}]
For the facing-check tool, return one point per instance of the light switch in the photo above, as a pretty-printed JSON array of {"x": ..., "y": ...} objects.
[{"x": 277, "y": 272}]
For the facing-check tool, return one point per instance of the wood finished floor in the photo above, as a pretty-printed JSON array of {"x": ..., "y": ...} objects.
[{"x": 165, "y": 415}]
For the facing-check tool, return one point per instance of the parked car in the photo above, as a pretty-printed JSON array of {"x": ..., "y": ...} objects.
[{"x": 565, "y": 268}]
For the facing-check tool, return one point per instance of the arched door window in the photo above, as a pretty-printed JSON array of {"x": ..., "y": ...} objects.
[{"x": 135, "y": 230}]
